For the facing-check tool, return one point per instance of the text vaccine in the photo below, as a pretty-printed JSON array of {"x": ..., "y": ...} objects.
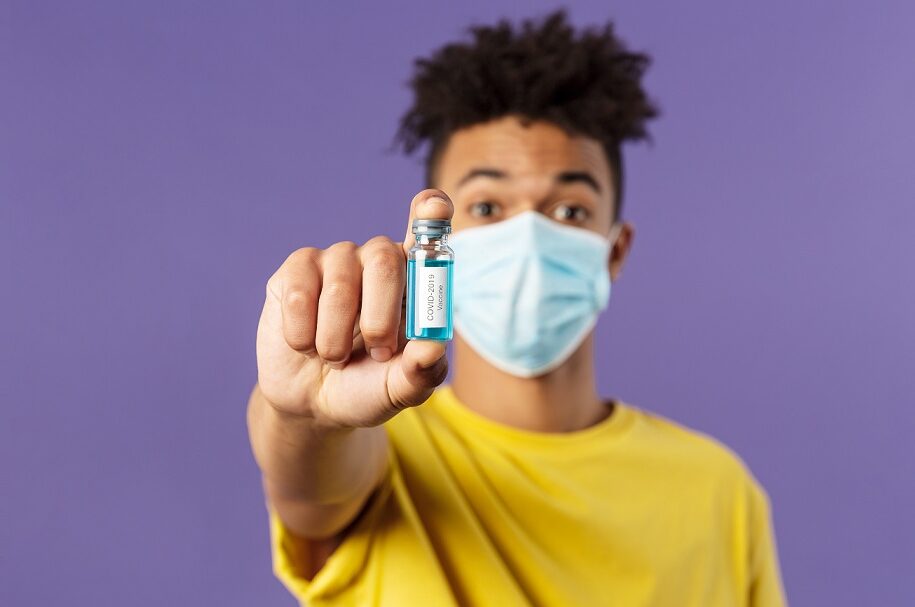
[{"x": 430, "y": 275}]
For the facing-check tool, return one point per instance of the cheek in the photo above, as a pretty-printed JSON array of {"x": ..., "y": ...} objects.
[
  {"x": 602, "y": 226},
  {"x": 461, "y": 220}
]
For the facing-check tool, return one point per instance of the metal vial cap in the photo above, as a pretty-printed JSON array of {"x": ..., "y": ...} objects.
[{"x": 432, "y": 227}]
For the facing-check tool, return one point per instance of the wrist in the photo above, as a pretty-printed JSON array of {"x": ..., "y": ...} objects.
[{"x": 299, "y": 421}]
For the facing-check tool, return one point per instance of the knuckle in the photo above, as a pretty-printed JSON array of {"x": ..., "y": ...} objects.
[
  {"x": 332, "y": 350},
  {"x": 304, "y": 254},
  {"x": 300, "y": 340},
  {"x": 340, "y": 260},
  {"x": 375, "y": 329},
  {"x": 385, "y": 265},
  {"x": 378, "y": 241},
  {"x": 339, "y": 294},
  {"x": 344, "y": 246},
  {"x": 299, "y": 301}
]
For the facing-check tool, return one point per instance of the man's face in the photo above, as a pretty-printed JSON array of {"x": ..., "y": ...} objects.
[{"x": 498, "y": 169}]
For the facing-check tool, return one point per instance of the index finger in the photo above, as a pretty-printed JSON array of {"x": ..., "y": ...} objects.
[{"x": 428, "y": 204}]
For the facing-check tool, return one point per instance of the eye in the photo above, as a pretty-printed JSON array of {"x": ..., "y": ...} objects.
[
  {"x": 574, "y": 213},
  {"x": 485, "y": 209}
]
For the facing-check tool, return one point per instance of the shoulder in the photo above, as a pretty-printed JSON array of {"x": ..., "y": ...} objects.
[{"x": 690, "y": 452}]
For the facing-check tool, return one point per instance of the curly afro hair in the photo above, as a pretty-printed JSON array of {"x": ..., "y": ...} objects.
[{"x": 587, "y": 83}]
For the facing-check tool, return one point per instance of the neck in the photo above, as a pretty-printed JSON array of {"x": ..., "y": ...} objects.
[{"x": 563, "y": 400}]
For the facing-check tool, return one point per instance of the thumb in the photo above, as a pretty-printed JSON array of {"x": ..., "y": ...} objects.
[
  {"x": 420, "y": 368},
  {"x": 428, "y": 204}
]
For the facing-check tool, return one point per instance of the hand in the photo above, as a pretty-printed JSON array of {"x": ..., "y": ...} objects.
[{"x": 330, "y": 342}]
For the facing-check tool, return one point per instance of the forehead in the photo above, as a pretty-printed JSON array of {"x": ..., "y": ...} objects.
[{"x": 533, "y": 149}]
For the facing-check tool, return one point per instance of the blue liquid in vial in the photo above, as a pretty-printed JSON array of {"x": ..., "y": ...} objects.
[{"x": 438, "y": 333}]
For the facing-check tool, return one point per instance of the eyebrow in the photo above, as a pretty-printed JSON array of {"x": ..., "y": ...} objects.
[{"x": 564, "y": 177}]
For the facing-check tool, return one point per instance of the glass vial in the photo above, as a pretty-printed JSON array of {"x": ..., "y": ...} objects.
[{"x": 429, "y": 280}]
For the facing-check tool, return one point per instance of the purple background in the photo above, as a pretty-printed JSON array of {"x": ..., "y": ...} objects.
[{"x": 159, "y": 160}]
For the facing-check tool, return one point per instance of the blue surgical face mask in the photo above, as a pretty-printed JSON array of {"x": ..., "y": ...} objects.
[{"x": 528, "y": 290}]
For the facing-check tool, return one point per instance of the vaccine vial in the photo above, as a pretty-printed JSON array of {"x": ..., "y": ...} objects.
[{"x": 430, "y": 274}]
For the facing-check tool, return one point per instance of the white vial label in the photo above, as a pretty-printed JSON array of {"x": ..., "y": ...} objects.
[{"x": 430, "y": 297}]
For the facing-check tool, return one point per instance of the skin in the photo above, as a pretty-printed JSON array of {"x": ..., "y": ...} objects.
[
  {"x": 530, "y": 158},
  {"x": 332, "y": 361}
]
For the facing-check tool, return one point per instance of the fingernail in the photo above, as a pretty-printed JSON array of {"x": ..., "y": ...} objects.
[
  {"x": 436, "y": 200},
  {"x": 380, "y": 354}
]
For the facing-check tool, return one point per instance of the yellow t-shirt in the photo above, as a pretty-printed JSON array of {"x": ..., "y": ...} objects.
[{"x": 635, "y": 510}]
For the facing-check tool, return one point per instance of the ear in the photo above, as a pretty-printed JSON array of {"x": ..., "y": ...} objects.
[{"x": 619, "y": 252}]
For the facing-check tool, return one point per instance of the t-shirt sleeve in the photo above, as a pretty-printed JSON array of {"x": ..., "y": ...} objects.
[
  {"x": 766, "y": 588},
  {"x": 341, "y": 572}
]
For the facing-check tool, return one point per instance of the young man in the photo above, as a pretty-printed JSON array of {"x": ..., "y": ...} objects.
[{"x": 517, "y": 484}]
